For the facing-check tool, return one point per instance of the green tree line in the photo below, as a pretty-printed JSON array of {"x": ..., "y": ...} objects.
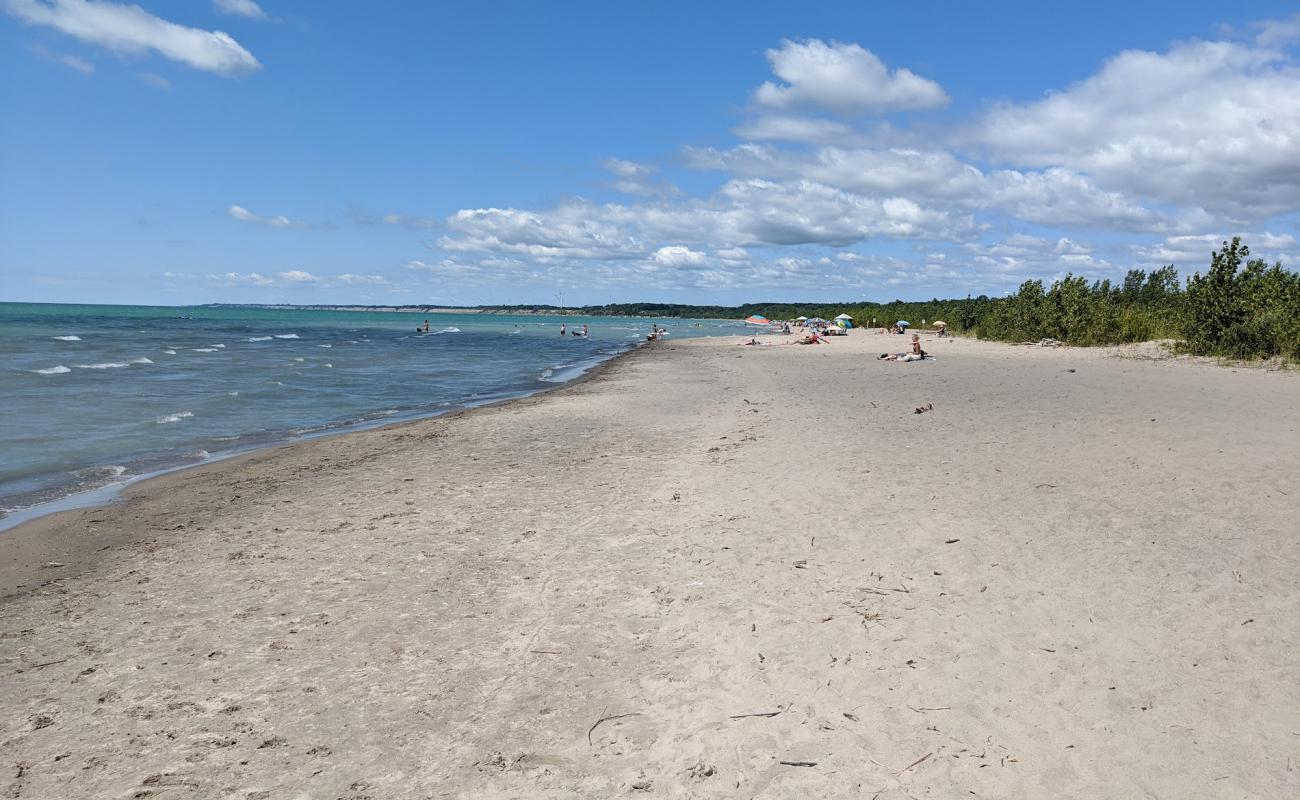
[{"x": 1240, "y": 308}]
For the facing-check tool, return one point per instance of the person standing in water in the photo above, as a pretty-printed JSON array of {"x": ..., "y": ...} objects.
[
  {"x": 426, "y": 326},
  {"x": 563, "y": 329},
  {"x": 584, "y": 330}
]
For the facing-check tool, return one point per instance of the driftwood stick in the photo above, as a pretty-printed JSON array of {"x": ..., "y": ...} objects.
[
  {"x": 759, "y": 714},
  {"x": 800, "y": 763},
  {"x": 47, "y": 664},
  {"x": 914, "y": 763},
  {"x": 607, "y": 719}
]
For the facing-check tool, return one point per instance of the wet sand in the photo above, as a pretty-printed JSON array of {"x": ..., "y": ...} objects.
[{"x": 709, "y": 571}]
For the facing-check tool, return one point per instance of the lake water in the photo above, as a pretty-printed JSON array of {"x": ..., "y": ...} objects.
[{"x": 96, "y": 395}]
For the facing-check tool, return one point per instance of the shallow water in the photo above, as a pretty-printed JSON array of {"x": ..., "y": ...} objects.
[{"x": 98, "y": 394}]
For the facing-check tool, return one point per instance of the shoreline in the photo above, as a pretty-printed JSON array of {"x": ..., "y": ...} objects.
[
  {"x": 715, "y": 571},
  {"x": 112, "y": 491},
  {"x": 45, "y": 538}
]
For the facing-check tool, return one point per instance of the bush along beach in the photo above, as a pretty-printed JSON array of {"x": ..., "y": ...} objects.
[{"x": 1240, "y": 308}]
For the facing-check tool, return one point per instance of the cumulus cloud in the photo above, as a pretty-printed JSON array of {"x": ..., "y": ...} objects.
[
  {"x": 239, "y": 8},
  {"x": 289, "y": 279},
  {"x": 408, "y": 221},
  {"x": 297, "y": 276},
  {"x": 372, "y": 280},
  {"x": 1208, "y": 124},
  {"x": 131, "y": 30},
  {"x": 637, "y": 179},
  {"x": 744, "y": 212},
  {"x": 676, "y": 256},
  {"x": 844, "y": 78},
  {"x": 1272, "y": 33},
  {"x": 1191, "y": 253},
  {"x": 938, "y": 177},
  {"x": 1129, "y": 167},
  {"x": 788, "y": 128},
  {"x": 279, "y": 221}
]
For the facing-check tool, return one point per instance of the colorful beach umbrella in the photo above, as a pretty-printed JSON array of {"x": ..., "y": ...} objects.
[{"x": 758, "y": 319}]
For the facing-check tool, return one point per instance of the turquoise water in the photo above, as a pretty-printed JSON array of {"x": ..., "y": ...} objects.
[{"x": 95, "y": 395}]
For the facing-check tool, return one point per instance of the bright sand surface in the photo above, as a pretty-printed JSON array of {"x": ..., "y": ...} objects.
[{"x": 1077, "y": 576}]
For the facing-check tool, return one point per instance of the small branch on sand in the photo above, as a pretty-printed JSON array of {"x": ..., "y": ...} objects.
[
  {"x": 547, "y": 652},
  {"x": 914, "y": 763},
  {"x": 760, "y": 714},
  {"x": 800, "y": 763},
  {"x": 919, "y": 709},
  {"x": 47, "y": 664},
  {"x": 607, "y": 719}
]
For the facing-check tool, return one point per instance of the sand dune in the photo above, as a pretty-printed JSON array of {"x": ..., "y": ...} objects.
[{"x": 708, "y": 571}]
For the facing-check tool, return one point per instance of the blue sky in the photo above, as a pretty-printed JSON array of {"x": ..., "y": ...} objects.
[{"x": 236, "y": 151}]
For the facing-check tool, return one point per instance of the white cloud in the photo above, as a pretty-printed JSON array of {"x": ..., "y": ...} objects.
[
  {"x": 787, "y": 128},
  {"x": 131, "y": 30},
  {"x": 676, "y": 256},
  {"x": 1058, "y": 196},
  {"x": 1272, "y": 33},
  {"x": 637, "y": 179},
  {"x": 939, "y": 178},
  {"x": 844, "y": 78},
  {"x": 372, "y": 280},
  {"x": 236, "y": 278},
  {"x": 288, "y": 279},
  {"x": 411, "y": 222},
  {"x": 1208, "y": 124},
  {"x": 627, "y": 169},
  {"x": 279, "y": 221},
  {"x": 1191, "y": 253},
  {"x": 239, "y": 8},
  {"x": 155, "y": 80},
  {"x": 297, "y": 276}
]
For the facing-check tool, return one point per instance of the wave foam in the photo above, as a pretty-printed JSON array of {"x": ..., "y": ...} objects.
[
  {"x": 142, "y": 360},
  {"x": 67, "y": 338},
  {"x": 286, "y": 336},
  {"x": 175, "y": 417},
  {"x": 105, "y": 365},
  {"x": 59, "y": 370},
  {"x": 218, "y": 345},
  {"x": 449, "y": 330},
  {"x": 170, "y": 352},
  {"x": 324, "y": 345},
  {"x": 259, "y": 338},
  {"x": 204, "y": 349}
]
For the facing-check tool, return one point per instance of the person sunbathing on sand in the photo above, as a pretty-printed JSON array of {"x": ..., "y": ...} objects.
[{"x": 916, "y": 353}]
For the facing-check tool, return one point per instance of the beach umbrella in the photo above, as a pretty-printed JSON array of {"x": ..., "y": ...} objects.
[
  {"x": 902, "y": 323},
  {"x": 800, "y": 319},
  {"x": 758, "y": 319},
  {"x": 844, "y": 316},
  {"x": 938, "y": 323}
]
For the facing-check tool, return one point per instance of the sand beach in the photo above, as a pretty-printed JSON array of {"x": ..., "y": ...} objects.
[{"x": 707, "y": 570}]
